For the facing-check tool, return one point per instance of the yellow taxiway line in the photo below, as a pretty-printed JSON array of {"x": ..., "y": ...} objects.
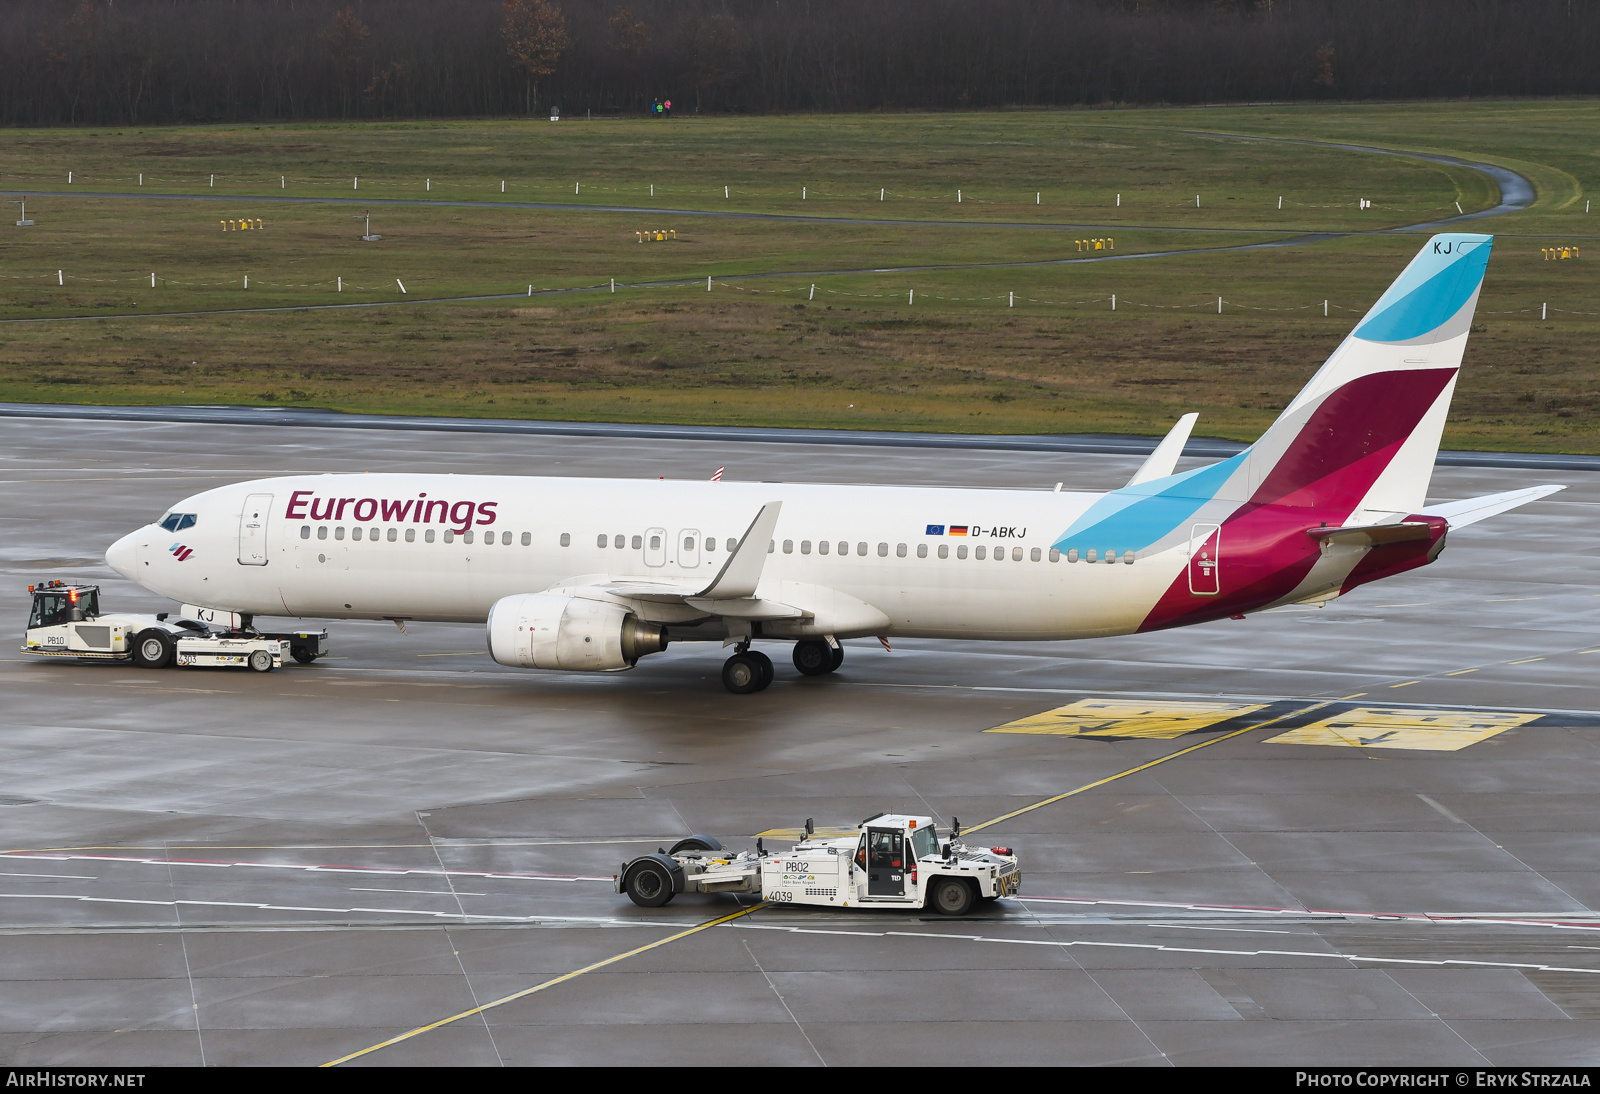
[{"x": 562, "y": 979}]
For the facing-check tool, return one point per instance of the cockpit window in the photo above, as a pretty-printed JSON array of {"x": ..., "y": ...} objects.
[{"x": 177, "y": 522}]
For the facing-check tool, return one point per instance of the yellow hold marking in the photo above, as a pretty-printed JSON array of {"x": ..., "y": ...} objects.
[
  {"x": 798, "y": 834},
  {"x": 1422, "y": 730},
  {"x": 1110, "y": 718}
]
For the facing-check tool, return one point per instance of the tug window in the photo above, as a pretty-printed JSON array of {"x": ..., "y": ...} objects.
[
  {"x": 944, "y": 550},
  {"x": 305, "y": 531},
  {"x": 527, "y": 538}
]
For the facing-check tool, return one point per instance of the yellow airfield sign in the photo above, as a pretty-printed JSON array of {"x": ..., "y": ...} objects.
[
  {"x": 1387, "y": 727},
  {"x": 1110, "y": 718}
]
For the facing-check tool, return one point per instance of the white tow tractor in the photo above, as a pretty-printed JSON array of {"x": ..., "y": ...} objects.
[
  {"x": 66, "y": 622},
  {"x": 887, "y": 861}
]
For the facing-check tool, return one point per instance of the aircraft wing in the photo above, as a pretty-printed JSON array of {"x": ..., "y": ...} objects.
[{"x": 1462, "y": 513}]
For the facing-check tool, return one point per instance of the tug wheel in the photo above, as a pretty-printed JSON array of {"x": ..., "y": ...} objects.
[
  {"x": 261, "y": 661},
  {"x": 952, "y": 896},
  {"x": 648, "y": 885},
  {"x": 153, "y": 649}
]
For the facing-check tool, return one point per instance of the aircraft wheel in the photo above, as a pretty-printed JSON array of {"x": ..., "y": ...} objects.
[
  {"x": 951, "y": 896},
  {"x": 813, "y": 657},
  {"x": 838, "y": 656},
  {"x": 261, "y": 661},
  {"x": 302, "y": 655},
  {"x": 764, "y": 663},
  {"x": 742, "y": 675},
  {"x": 153, "y": 649}
]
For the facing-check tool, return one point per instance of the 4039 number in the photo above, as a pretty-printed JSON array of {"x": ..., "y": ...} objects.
[{"x": 782, "y": 896}]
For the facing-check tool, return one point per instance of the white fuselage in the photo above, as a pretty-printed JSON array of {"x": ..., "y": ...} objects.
[{"x": 287, "y": 546}]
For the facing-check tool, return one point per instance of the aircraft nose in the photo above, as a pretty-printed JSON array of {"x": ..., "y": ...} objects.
[{"x": 123, "y": 556}]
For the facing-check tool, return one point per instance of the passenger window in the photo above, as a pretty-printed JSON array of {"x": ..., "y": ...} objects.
[
  {"x": 527, "y": 539},
  {"x": 505, "y": 539},
  {"x": 428, "y": 536},
  {"x": 1016, "y": 554},
  {"x": 788, "y": 546},
  {"x": 655, "y": 542},
  {"x": 711, "y": 542},
  {"x": 305, "y": 531},
  {"x": 883, "y": 550},
  {"x": 1127, "y": 557},
  {"x": 1055, "y": 554},
  {"x": 900, "y": 550},
  {"x": 566, "y": 539},
  {"x": 355, "y": 533},
  {"x": 1072, "y": 554},
  {"x": 944, "y": 550},
  {"x": 600, "y": 540},
  {"x": 394, "y": 533},
  {"x": 688, "y": 543},
  {"x": 922, "y": 550},
  {"x": 466, "y": 537},
  {"x": 411, "y": 535},
  {"x": 1034, "y": 554},
  {"x": 980, "y": 552},
  {"x": 772, "y": 545},
  {"x": 822, "y": 546},
  {"x": 805, "y": 546},
  {"x": 449, "y": 535},
  {"x": 961, "y": 551},
  {"x": 338, "y": 533},
  {"x": 619, "y": 542},
  {"x": 322, "y": 531},
  {"x": 861, "y": 549}
]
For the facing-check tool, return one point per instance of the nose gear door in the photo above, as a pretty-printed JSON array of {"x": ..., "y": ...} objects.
[{"x": 253, "y": 530}]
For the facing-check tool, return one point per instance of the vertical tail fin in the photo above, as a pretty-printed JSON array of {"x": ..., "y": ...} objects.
[{"x": 1364, "y": 433}]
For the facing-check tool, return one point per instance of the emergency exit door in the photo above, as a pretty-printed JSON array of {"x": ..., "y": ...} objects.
[
  {"x": 253, "y": 530},
  {"x": 886, "y": 862},
  {"x": 1205, "y": 577}
]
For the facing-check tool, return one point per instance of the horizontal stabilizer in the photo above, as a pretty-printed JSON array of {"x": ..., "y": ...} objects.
[
  {"x": 1462, "y": 513},
  {"x": 1373, "y": 535},
  {"x": 1161, "y": 462}
]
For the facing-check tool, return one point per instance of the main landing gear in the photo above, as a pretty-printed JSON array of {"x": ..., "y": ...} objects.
[{"x": 749, "y": 671}]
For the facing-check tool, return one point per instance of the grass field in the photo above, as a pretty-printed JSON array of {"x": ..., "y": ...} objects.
[{"x": 996, "y": 338}]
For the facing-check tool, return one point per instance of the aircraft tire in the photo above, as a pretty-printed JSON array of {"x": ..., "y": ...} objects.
[
  {"x": 742, "y": 675},
  {"x": 153, "y": 649},
  {"x": 838, "y": 656},
  {"x": 764, "y": 663},
  {"x": 813, "y": 657}
]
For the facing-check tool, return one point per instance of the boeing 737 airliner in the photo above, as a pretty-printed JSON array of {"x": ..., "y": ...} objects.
[{"x": 592, "y": 574}]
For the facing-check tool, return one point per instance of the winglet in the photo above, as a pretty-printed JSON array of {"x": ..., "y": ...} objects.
[
  {"x": 741, "y": 574},
  {"x": 1165, "y": 457}
]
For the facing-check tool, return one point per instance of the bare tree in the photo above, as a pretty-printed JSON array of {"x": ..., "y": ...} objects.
[
  {"x": 628, "y": 34},
  {"x": 536, "y": 36},
  {"x": 347, "y": 40}
]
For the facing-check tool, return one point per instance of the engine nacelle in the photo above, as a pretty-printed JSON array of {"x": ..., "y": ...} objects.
[{"x": 552, "y": 631}]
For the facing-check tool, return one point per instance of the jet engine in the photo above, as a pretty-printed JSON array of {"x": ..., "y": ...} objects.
[{"x": 552, "y": 631}]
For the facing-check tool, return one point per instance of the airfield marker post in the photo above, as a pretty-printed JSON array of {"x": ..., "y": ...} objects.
[
  {"x": 613, "y": 284},
  {"x": 152, "y": 279},
  {"x": 341, "y": 284},
  {"x": 958, "y": 197},
  {"x": 1280, "y": 203},
  {"x": 1197, "y": 201},
  {"x": 1011, "y": 301},
  {"x": 60, "y": 280},
  {"x": 530, "y": 290},
  {"x": 283, "y": 182},
  {"x": 880, "y": 198},
  {"x": 911, "y": 297},
  {"x": 502, "y": 186},
  {"x": 69, "y": 178},
  {"x": 141, "y": 178},
  {"x": 1113, "y": 301},
  {"x": 652, "y": 189},
  {"x": 802, "y": 193},
  {"x": 1119, "y": 201},
  {"x": 813, "y": 295},
  {"x": 1037, "y": 195},
  {"x": 355, "y": 183},
  {"x": 708, "y": 284},
  {"x": 429, "y": 186},
  {"x": 724, "y": 191},
  {"x": 1324, "y": 309},
  {"x": 1219, "y": 305},
  {"x": 1458, "y": 209},
  {"x": 1544, "y": 312},
  {"x": 403, "y": 292},
  {"x": 24, "y": 222},
  {"x": 247, "y": 281}
]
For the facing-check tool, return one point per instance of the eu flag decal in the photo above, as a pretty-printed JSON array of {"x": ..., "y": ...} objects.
[{"x": 935, "y": 530}]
